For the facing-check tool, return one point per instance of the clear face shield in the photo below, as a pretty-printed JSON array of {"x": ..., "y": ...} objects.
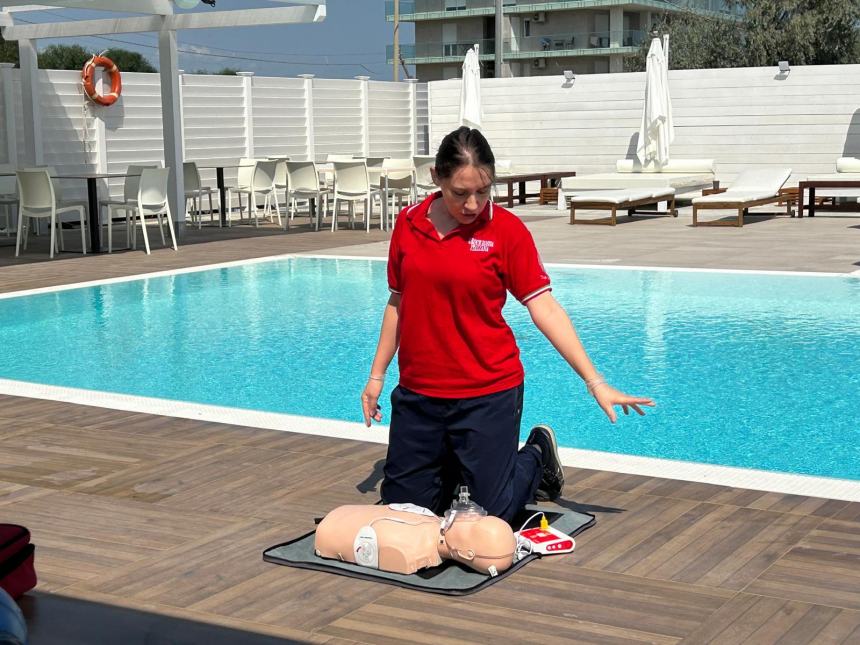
[{"x": 462, "y": 509}]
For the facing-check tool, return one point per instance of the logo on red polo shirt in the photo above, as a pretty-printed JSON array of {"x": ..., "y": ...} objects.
[{"x": 480, "y": 246}]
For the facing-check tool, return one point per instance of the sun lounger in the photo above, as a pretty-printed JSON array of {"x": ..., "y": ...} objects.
[
  {"x": 751, "y": 188},
  {"x": 620, "y": 200},
  {"x": 684, "y": 175}
]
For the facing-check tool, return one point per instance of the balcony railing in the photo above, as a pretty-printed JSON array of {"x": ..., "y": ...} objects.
[
  {"x": 436, "y": 9},
  {"x": 443, "y": 51},
  {"x": 549, "y": 43},
  {"x": 552, "y": 45},
  {"x": 408, "y": 7}
]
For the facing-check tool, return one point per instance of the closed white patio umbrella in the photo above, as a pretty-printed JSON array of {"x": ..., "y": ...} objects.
[
  {"x": 656, "y": 131},
  {"x": 470, "y": 90}
]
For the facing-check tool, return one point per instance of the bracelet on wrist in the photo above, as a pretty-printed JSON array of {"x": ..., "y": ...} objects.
[
  {"x": 381, "y": 379},
  {"x": 595, "y": 385},
  {"x": 592, "y": 383}
]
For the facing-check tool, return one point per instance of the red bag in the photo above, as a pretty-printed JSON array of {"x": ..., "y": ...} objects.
[{"x": 17, "y": 574}]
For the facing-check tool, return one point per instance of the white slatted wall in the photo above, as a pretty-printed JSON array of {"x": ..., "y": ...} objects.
[
  {"x": 133, "y": 130},
  {"x": 214, "y": 122},
  {"x": 338, "y": 122},
  {"x": 422, "y": 119},
  {"x": 69, "y": 139},
  {"x": 390, "y": 119},
  {"x": 280, "y": 118},
  {"x": 740, "y": 117},
  {"x": 5, "y": 144}
]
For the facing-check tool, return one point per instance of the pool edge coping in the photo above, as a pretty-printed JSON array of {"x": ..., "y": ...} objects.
[
  {"x": 726, "y": 476},
  {"x": 375, "y": 258}
]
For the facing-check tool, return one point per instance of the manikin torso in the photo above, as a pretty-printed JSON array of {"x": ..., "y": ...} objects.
[{"x": 408, "y": 540}]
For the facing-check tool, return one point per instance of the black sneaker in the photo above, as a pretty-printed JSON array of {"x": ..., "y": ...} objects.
[{"x": 552, "y": 478}]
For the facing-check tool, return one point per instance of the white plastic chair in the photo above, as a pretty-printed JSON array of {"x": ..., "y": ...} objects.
[
  {"x": 374, "y": 170},
  {"x": 8, "y": 202},
  {"x": 194, "y": 190},
  {"x": 152, "y": 200},
  {"x": 282, "y": 180},
  {"x": 398, "y": 178},
  {"x": 262, "y": 183},
  {"x": 304, "y": 183},
  {"x": 37, "y": 200},
  {"x": 423, "y": 179},
  {"x": 128, "y": 203},
  {"x": 243, "y": 187},
  {"x": 352, "y": 185}
]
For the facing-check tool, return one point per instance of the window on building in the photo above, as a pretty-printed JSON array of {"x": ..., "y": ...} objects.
[{"x": 527, "y": 27}]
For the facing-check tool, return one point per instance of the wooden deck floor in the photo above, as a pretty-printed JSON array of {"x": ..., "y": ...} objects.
[{"x": 150, "y": 530}]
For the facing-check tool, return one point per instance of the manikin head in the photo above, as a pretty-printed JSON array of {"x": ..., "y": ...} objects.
[
  {"x": 479, "y": 543},
  {"x": 464, "y": 171}
]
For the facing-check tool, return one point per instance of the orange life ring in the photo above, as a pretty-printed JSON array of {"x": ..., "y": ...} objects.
[{"x": 88, "y": 75}]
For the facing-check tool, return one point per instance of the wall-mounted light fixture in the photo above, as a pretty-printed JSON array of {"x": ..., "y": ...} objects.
[
  {"x": 784, "y": 67},
  {"x": 190, "y": 4},
  {"x": 569, "y": 78}
]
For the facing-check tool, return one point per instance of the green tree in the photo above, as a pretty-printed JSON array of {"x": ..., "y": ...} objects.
[
  {"x": 74, "y": 57},
  {"x": 696, "y": 42},
  {"x": 228, "y": 71},
  {"x": 8, "y": 51},
  {"x": 803, "y": 32},
  {"x": 129, "y": 61}
]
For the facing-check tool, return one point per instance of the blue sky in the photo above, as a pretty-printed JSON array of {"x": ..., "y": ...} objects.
[{"x": 350, "y": 42}]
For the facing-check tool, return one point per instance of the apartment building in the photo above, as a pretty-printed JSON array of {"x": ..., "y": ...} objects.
[{"x": 537, "y": 38}]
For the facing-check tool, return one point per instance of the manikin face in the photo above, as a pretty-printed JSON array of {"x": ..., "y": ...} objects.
[{"x": 466, "y": 192}]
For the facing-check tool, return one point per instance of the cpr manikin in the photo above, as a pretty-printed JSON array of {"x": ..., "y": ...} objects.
[{"x": 404, "y": 538}]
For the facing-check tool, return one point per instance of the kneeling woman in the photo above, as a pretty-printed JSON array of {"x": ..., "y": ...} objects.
[{"x": 455, "y": 415}]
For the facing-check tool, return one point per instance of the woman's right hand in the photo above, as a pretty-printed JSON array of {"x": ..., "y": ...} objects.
[{"x": 370, "y": 401}]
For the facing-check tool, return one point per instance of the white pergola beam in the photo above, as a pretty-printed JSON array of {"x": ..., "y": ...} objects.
[
  {"x": 200, "y": 20},
  {"x": 162, "y": 7}
]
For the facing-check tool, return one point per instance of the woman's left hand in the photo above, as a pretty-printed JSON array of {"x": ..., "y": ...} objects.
[{"x": 607, "y": 397}]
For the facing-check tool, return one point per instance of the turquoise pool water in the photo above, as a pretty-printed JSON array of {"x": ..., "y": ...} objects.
[{"x": 756, "y": 371}]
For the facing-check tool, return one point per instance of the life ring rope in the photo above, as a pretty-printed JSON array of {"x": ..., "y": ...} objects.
[{"x": 88, "y": 75}]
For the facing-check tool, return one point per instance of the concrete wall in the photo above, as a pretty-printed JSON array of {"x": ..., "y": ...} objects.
[{"x": 742, "y": 118}]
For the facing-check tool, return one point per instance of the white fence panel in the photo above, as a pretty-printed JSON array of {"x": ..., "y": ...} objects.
[
  {"x": 68, "y": 128},
  {"x": 214, "y": 122},
  {"x": 280, "y": 118},
  {"x": 338, "y": 118},
  {"x": 133, "y": 127},
  {"x": 390, "y": 119},
  {"x": 422, "y": 119},
  {"x": 741, "y": 117}
]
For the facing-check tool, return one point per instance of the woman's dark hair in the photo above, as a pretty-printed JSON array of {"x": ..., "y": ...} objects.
[{"x": 464, "y": 147}]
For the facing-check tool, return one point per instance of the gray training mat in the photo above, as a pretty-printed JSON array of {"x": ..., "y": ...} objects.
[{"x": 450, "y": 578}]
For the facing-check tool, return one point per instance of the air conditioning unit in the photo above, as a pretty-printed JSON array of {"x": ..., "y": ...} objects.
[
  {"x": 539, "y": 63},
  {"x": 539, "y": 16}
]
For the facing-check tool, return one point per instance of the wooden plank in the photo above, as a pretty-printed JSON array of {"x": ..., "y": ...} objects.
[
  {"x": 751, "y": 619},
  {"x": 201, "y": 466},
  {"x": 271, "y": 490},
  {"x": 667, "y": 609},
  {"x": 824, "y": 568},
  {"x": 52, "y": 456},
  {"x": 397, "y": 618},
  {"x": 79, "y": 537}
]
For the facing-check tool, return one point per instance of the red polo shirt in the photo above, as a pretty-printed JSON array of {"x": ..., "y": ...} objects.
[{"x": 454, "y": 342}]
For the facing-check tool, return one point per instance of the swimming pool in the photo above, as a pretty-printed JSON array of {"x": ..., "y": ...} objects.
[{"x": 749, "y": 370}]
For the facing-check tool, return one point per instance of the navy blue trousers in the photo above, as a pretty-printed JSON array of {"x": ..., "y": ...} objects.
[{"x": 438, "y": 444}]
